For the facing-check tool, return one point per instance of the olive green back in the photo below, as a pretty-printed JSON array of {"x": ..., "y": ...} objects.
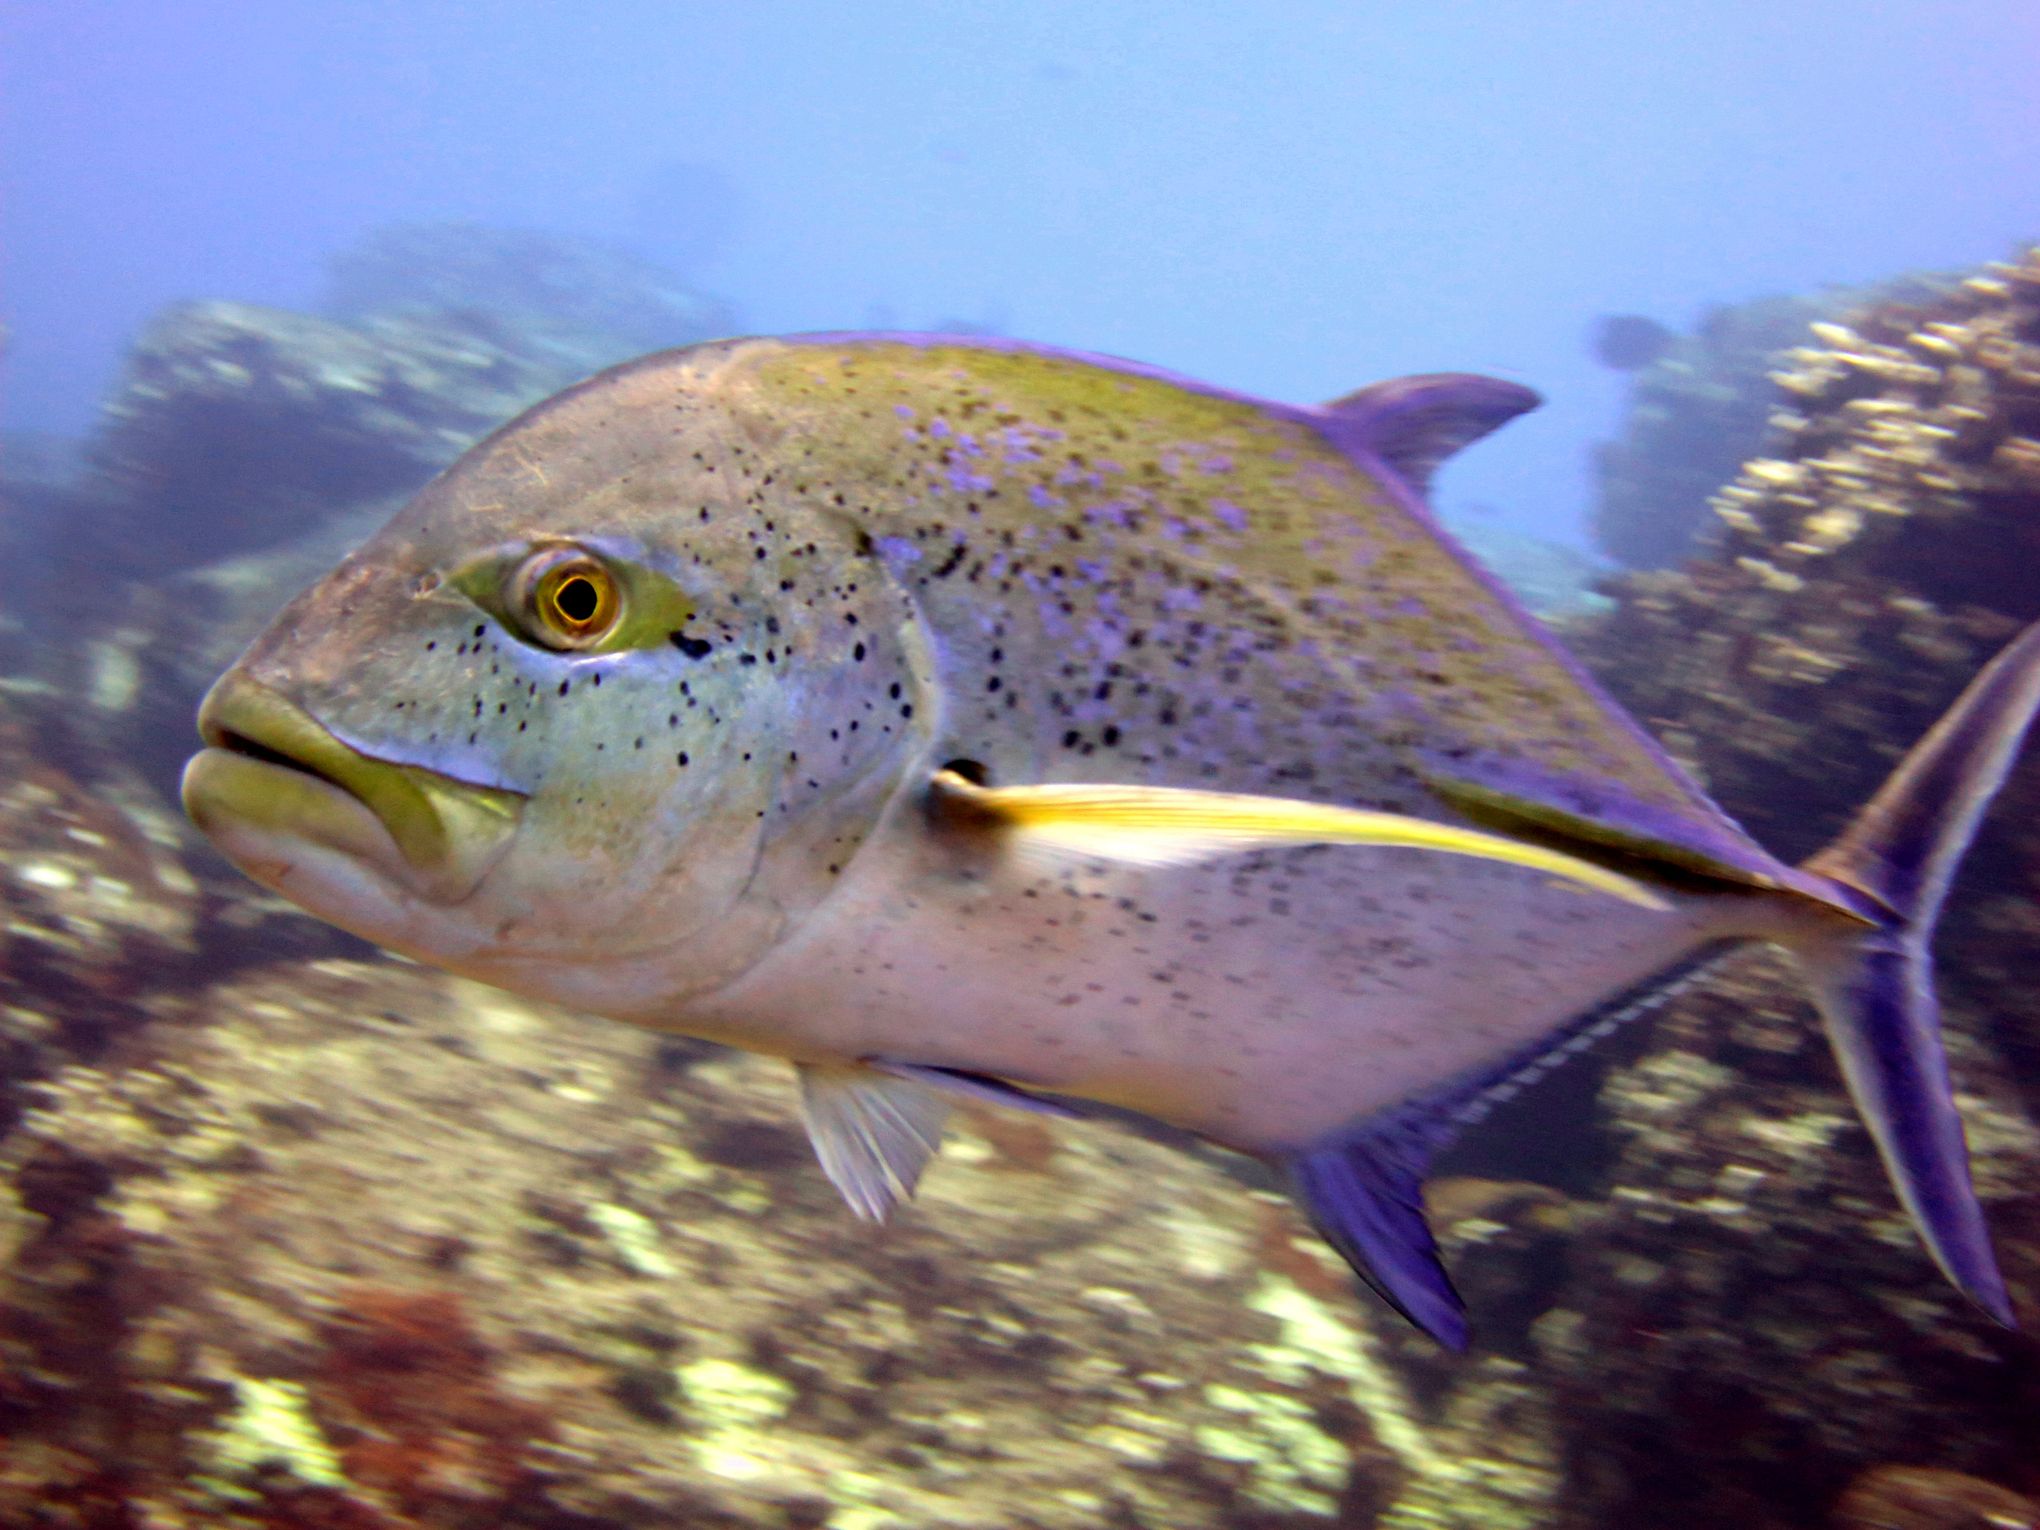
[{"x": 1128, "y": 577}]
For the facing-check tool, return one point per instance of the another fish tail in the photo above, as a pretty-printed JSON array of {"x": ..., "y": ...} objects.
[{"x": 1875, "y": 985}]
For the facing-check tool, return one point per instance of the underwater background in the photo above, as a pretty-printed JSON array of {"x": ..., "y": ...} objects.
[{"x": 295, "y": 1234}]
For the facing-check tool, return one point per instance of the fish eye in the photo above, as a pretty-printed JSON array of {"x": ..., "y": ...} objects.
[{"x": 568, "y": 598}]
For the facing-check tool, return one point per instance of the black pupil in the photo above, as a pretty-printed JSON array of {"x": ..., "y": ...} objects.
[{"x": 577, "y": 598}]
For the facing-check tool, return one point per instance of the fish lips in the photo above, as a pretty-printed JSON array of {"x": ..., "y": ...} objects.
[{"x": 273, "y": 782}]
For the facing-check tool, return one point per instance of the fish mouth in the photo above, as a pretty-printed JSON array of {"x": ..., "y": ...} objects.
[{"x": 272, "y": 780}]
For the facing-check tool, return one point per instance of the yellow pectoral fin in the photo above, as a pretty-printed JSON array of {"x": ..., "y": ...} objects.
[{"x": 1167, "y": 826}]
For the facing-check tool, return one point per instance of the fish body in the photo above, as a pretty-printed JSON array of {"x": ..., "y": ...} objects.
[
  {"x": 1629, "y": 342},
  {"x": 958, "y": 716}
]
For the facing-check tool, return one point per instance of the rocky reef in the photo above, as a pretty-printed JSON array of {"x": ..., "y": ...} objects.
[
  {"x": 1859, "y": 572},
  {"x": 585, "y": 304},
  {"x": 370, "y": 1247},
  {"x": 1750, "y": 1324},
  {"x": 1695, "y": 414},
  {"x": 101, "y": 914},
  {"x": 296, "y": 1235},
  {"x": 1554, "y": 579},
  {"x": 236, "y": 428}
]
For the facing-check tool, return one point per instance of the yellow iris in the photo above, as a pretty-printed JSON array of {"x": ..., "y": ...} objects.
[{"x": 573, "y": 600}]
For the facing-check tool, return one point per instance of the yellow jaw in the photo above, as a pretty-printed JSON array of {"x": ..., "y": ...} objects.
[{"x": 272, "y": 777}]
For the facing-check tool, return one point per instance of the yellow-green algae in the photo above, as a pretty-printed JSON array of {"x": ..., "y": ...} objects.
[
  {"x": 734, "y": 1402},
  {"x": 272, "y": 1426},
  {"x": 1313, "y": 1339},
  {"x": 1474, "y": 1486},
  {"x": 1451, "y": 1480},
  {"x": 635, "y": 1237},
  {"x": 1296, "y": 1465}
]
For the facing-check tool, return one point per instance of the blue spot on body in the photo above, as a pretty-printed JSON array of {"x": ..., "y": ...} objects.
[{"x": 897, "y": 552}]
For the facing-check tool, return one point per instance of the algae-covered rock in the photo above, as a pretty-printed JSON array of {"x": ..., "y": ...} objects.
[
  {"x": 584, "y": 303},
  {"x": 1750, "y": 1321},
  {"x": 236, "y": 427},
  {"x": 98, "y": 915},
  {"x": 373, "y": 1246},
  {"x": 1861, "y": 575},
  {"x": 1915, "y": 1498},
  {"x": 1696, "y": 414}
]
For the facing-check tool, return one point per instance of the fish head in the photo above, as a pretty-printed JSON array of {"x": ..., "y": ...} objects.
[{"x": 596, "y": 718}]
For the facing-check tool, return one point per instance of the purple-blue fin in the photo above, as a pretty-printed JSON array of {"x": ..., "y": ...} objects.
[
  {"x": 1876, "y": 990},
  {"x": 1411, "y": 424},
  {"x": 981, "y": 1087},
  {"x": 1877, "y": 997},
  {"x": 1363, "y": 1186},
  {"x": 1365, "y": 1193}
]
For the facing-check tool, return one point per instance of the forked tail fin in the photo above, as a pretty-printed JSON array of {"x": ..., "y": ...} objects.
[{"x": 1875, "y": 988}]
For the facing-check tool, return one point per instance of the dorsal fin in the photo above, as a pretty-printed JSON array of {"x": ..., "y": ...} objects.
[{"x": 1414, "y": 423}]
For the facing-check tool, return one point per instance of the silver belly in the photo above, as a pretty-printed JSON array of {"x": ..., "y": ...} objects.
[{"x": 1262, "y": 1000}]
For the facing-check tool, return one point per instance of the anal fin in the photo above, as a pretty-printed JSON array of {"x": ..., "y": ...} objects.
[
  {"x": 1363, "y": 1186},
  {"x": 1364, "y": 1191},
  {"x": 874, "y": 1133}
]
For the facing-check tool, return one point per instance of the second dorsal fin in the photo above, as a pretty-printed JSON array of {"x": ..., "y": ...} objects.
[{"x": 1411, "y": 424}]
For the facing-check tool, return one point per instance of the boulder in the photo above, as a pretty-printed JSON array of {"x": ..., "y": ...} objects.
[
  {"x": 375, "y": 1247},
  {"x": 1695, "y": 414}
]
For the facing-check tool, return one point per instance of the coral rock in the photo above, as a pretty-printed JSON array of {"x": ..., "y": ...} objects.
[
  {"x": 100, "y": 914},
  {"x": 376, "y": 1243},
  {"x": 1916, "y": 1498},
  {"x": 1696, "y": 413},
  {"x": 237, "y": 427}
]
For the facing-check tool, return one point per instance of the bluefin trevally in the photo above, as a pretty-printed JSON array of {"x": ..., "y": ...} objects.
[{"x": 954, "y": 716}]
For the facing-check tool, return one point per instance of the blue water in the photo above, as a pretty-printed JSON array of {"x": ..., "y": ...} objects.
[{"x": 1293, "y": 199}]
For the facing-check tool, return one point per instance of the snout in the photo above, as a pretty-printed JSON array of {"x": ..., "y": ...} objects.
[{"x": 272, "y": 776}]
